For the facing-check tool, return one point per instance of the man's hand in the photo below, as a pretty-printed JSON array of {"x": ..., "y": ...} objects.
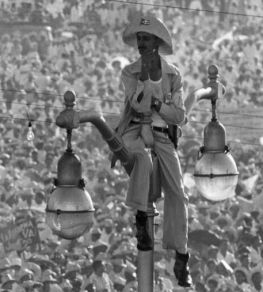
[{"x": 149, "y": 63}]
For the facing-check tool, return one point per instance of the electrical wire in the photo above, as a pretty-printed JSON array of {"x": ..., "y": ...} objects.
[
  {"x": 25, "y": 119},
  {"x": 196, "y": 137},
  {"x": 36, "y": 106},
  {"x": 110, "y": 114},
  {"x": 102, "y": 100},
  {"x": 92, "y": 126},
  {"x": 186, "y": 8},
  {"x": 229, "y": 125},
  {"x": 59, "y": 95}
]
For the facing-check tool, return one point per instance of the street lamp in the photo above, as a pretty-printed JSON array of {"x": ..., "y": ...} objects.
[
  {"x": 215, "y": 172},
  {"x": 69, "y": 210}
]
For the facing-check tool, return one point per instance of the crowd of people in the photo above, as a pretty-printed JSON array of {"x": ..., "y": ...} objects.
[{"x": 225, "y": 237}]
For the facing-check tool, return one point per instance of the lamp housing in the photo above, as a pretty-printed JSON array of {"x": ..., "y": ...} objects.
[
  {"x": 215, "y": 173},
  {"x": 69, "y": 211}
]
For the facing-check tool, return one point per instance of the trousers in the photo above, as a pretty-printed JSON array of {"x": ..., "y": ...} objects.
[{"x": 170, "y": 181}]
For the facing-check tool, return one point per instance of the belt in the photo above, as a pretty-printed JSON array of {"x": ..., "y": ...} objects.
[
  {"x": 160, "y": 129},
  {"x": 154, "y": 128}
]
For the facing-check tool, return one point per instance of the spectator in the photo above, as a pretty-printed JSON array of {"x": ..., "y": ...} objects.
[
  {"x": 100, "y": 278},
  {"x": 34, "y": 70}
]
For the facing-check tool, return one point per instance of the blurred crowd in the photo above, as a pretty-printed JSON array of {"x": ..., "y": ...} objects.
[{"x": 86, "y": 54}]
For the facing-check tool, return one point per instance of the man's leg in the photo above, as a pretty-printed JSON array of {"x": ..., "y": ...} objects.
[
  {"x": 175, "y": 227},
  {"x": 139, "y": 186}
]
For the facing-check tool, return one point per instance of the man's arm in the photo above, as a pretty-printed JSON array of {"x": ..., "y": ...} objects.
[
  {"x": 137, "y": 92},
  {"x": 173, "y": 112}
]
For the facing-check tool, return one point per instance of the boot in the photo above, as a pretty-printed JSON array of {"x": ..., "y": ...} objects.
[
  {"x": 144, "y": 241},
  {"x": 181, "y": 270}
]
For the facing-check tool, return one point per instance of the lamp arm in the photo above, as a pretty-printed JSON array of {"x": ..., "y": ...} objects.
[
  {"x": 204, "y": 93},
  {"x": 197, "y": 95},
  {"x": 114, "y": 141},
  {"x": 69, "y": 119}
]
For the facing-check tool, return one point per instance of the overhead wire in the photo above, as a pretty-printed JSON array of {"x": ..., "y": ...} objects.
[
  {"x": 110, "y": 114},
  {"x": 109, "y": 100},
  {"x": 100, "y": 100},
  {"x": 58, "y": 95},
  {"x": 229, "y": 142},
  {"x": 186, "y": 8},
  {"x": 48, "y": 121},
  {"x": 229, "y": 125},
  {"x": 36, "y": 106}
]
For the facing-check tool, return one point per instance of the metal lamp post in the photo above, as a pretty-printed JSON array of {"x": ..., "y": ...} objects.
[
  {"x": 69, "y": 210},
  {"x": 215, "y": 172}
]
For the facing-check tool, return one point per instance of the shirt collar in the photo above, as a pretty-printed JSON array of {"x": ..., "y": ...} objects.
[{"x": 166, "y": 68}]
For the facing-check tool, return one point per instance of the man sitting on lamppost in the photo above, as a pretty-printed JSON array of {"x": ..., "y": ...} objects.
[{"x": 153, "y": 104}]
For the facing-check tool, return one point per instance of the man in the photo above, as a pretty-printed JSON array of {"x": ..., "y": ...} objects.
[
  {"x": 153, "y": 96},
  {"x": 100, "y": 278}
]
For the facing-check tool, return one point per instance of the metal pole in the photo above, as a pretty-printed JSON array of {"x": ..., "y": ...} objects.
[{"x": 145, "y": 267}]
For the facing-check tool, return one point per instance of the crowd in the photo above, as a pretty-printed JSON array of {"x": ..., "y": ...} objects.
[{"x": 86, "y": 54}]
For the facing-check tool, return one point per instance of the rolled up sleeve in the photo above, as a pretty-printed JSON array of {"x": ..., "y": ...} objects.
[{"x": 174, "y": 111}]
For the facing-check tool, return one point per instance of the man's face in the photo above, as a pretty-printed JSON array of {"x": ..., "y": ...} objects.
[
  {"x": 240, "y": 277},
  {"x": 146, "y": 42},
  {"x": 100, "y": 269}
]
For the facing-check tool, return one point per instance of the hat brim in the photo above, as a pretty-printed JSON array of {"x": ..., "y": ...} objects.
[{"x": 155, "y": 27}]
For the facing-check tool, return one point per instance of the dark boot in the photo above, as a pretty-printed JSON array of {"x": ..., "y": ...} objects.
[
  {"x": 181, "y": 270},
  {"x": 144, "y": 241}
]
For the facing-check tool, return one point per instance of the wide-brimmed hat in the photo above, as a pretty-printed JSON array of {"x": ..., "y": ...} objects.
[
  {"x": 7, "y": 279},
  {"x": 152, "y": 25}
]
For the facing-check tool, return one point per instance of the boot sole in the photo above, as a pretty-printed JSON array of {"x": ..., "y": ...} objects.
[
  {"x": 185, "y": 286},
  {"x": 144, "y": 248},
  {"x": 181, "y": 283}
]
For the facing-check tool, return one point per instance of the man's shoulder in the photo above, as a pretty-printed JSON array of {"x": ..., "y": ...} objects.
[
  {"x": 133, "y": 67},
  {"x": 170, "y": 68}
]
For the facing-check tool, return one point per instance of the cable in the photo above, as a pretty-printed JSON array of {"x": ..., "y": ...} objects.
[
  {"x": 228, "y": 142},
  {"x": 109, "y": 114},
  {"x": 104, "y": 100},
  {"x": 30, "y": 91},
  {"x": 92, "y": 126},
  {"x": 36, "y": 106},
  {"x": 48, "y": 121},
  {"x": 59, "y": 95},
  {"x": 25, "y": 119},
  {"x": 114, "y": 101},
  {"x": 113, "y": 114},
  {"x": 185, "y": 8},
  {"x": 228, "y": 125}
]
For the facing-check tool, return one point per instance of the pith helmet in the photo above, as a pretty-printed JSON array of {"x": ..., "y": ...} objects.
[{"x": 152, "y": 25}]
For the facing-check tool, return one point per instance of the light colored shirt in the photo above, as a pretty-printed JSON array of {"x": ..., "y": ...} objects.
[
  {"x": 157, "y": 92},
  {"x": 102, "y": 283},
  {"x": 172, "y": 110}
]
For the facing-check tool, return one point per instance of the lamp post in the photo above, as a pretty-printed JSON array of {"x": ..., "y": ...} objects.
[
  {"x": 215, "y": 172},
  {"x": 69, "y": 206}
]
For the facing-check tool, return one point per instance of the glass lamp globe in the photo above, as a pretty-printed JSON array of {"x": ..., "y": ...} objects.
[
  {"x": 69, "y": 212},
  {"x": 215, "y": 172},
  {"x": 216, "y": 175}
]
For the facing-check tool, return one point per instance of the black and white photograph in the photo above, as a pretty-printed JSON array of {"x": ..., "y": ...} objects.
[{"x": 131, "y": 146}]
